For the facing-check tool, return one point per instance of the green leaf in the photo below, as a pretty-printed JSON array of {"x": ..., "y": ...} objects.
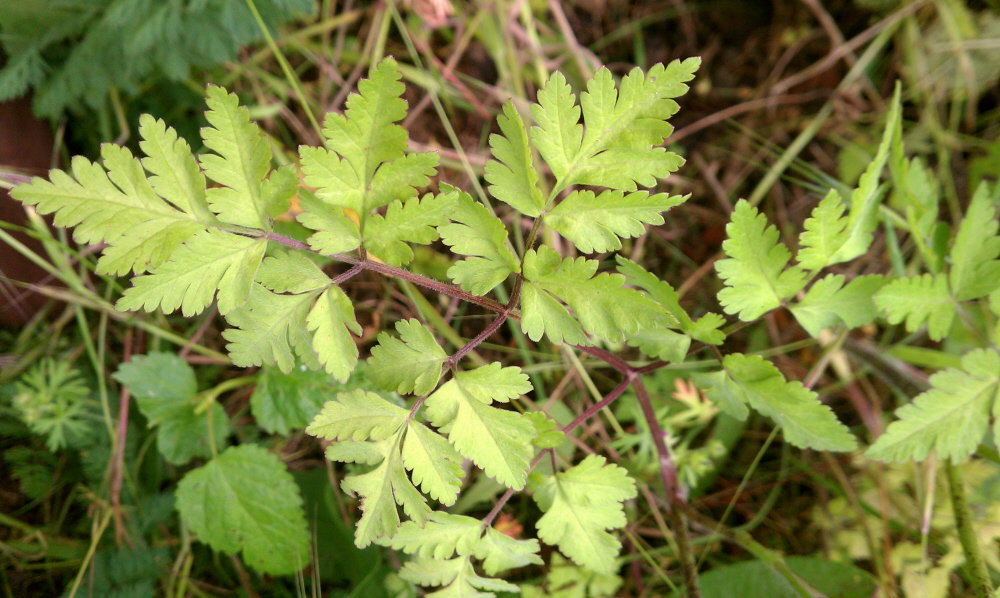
[
  {"x": 282, "y": 402},
  {"x": 476, "y": 232},
  {"x": 863, "y": 217},
  {"x": 825, "y": 233},
  {"x": 358, "y": 415},
  {"x": 164, "y": 387},
  {"x": 950, "y": 418},
  {"x": 433, "y": 463},
  {"x": 603, "y": 306},
  {"x": 559, "y": 133},
  {"x": 457, "y": 575},
  {"x": 594, "y": 224},
  {"x": 756, "y": 579},
  {"x": 291, "y": 272},
  {"x": 335, "y": 232},
  {"x": 975, "y": 269},
  {"x": 829, "y": 303},
  {"x": 245, "y": 500},
  {"x": 175, "y": 173},
  {"x": 705, "y": 329},
  {"x": 209, "y": 260},
  {"x": 364, "y": 167},
  {"x": 513, "y": 179},
  {"x": 754, "y": 273},
  {"x": 497, "y": 441},
  {"x": 580, "y": 504},
  {"x": 444, "y": 536},
  {"x": 409, "y": 364},
  {"x": 241, "y": 161},
  {"x": 492, "y": 382},
  {"x": 279, "y": 188},
  {"x": 414, "y": 222},
  {"x": 270, "y": 329},
  {"x": 380, "y": 490},
  {"x": 118, "y": 207},
  {"x": 547, "y": 432},
  {"x": 331, "y": 321},
  {"x": 750, "y": 379},
  {"x": 919, "y": 300},
  {"x": 662, "y": 343},
  {"x": 500, "y": 552}
]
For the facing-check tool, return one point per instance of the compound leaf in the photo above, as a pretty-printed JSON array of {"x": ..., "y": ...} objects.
[
  {"x": 335, "y": 232},
  {"x": 513, "y": 179},
  {"x": 175, "y": 175},
  {"x": 559, "y": 132},
  {"x": 595, "y": 223},
  {"x": 358, "y": 415},
  {"x": 919, "y": 300},
  {"x": 580, "y": 504},
  {"x": 975, "y": 269},
  {"x": 291, "y": 272},
  {"x": 409, "y": 364},
  {"x": 241, "y": 160},
  {"x": 754, "y": 273},
  {"x": 500, "y": 552},
  {"x": 433, "y": 463},
  {"x": 164, "y": 387},
  {"x": 414, "y": 222},
  {"x": 829, "y": 302},
  {"x": 825, "y": 233},
  {"x": 497, "y": 441},
  {"x": 476, "y": 232},
  {"x": 245, "y": 500},
  {"x": 208, "y": 260},
  {"x": 950, "y": 418}
]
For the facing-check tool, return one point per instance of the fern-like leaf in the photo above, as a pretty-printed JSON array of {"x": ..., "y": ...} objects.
[
  {"x": 919, "y": 300},
  {"x": 476, "y": 232},
  {"x": 513, "y": 179},
  {"x": 597, "y": 224},
  {"x": 409, "y": 364}
]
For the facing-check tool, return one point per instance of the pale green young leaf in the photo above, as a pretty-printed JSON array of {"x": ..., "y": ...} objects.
[
  {"x": 410, "y": 363},
  {"x": 805, "y": 422},
  {"x": 492, "y": 382},
  {"x": 365, "y": 453},
  {"x": 400, "y": 178},
  {"x": 386, "y": 237},
  {"x": 863, "y": 217},
  {"x": 580, "y": 504},
  {"x": 245, "y": 500},
  {"x": 476, "y": 232},
  {"x": 547, "y": 432},
  {"x": 270, "y": 329},
  {"x": 542, "y": 314},
  {"x": 291, "y": 272},
  {"x": 358, "y": 415},
  {"x": 141, "y": 229},
  {"x": 951, "y": 418},
  {"x": 829, "y": 302},
  {"x": 433, "y": 463},
  {"x": 624, "y": 168},
  {"x": 559, "y": 133},
  {"x": 444, "y": 535},
  {"x": 164, "y": 387},
  {"x": 705, "y": 329},
  {"x": 564, "y": 579},
  {"x": 754, "y": 273},
  {"x": 725, "y": 392},
  {"x": 331, "y": 320},
  {"x": 662, "y": 343},
  {"x": 241, "y": 160},
  {"x": 604, "y": 307},
  {"x": 209, "y": 260},
  {"x": 919, "y": 300},
  {"x": 825, "y": 233},
  {"x": 595, "y": 223},
  {"x": 497, "y": 441},
  {"x": 335, "y": 232},
  {"x": 500, "y": 552},
  {"x": 278, "y": 189},
  {"x": 432, "y": 572},
  {"x": 511, "y": 175},
  {"x": 975, "y": 269},
  {"x": 175, "y": 175},
  {"x": 381, "y": 489},
  {"x": 282, "y": 402},
  {"x": 334, "y": 178}
]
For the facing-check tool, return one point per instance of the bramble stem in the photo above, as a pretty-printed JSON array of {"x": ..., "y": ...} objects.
[{"x": 982, "y": 586}]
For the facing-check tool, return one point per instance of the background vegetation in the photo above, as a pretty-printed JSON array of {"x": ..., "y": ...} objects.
[{"x": 790, "y": 101}]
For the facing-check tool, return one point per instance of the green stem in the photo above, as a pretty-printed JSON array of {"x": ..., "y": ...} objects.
[{"x": 981, "y": 583}]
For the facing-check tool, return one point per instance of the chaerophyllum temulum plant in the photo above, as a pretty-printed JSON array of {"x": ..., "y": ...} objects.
[{"x": 191, "y": 231}]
